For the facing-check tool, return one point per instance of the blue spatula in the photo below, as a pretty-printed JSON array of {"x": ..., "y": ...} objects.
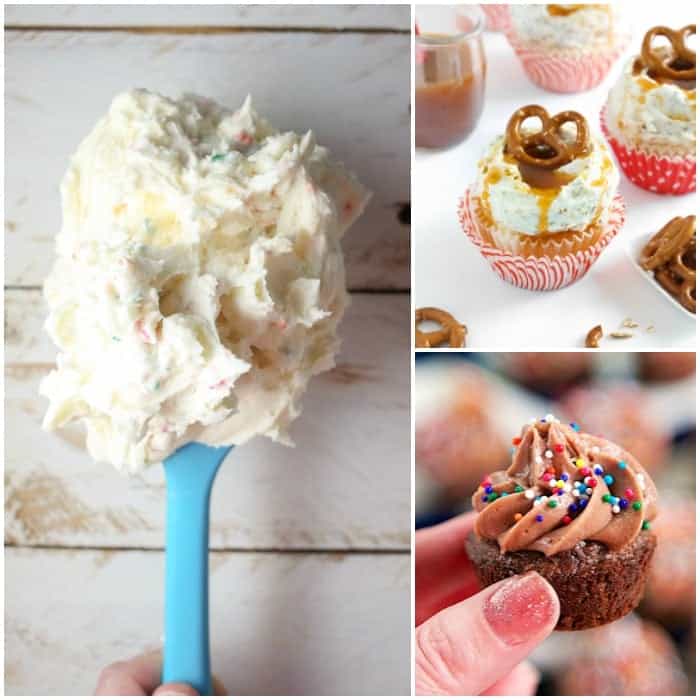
[{"x": 189, "y": 475}]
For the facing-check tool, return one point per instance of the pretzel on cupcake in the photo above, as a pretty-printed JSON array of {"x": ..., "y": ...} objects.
[
  {"x": 546, "y": 148},
  {"x": 675, "y": 64}
]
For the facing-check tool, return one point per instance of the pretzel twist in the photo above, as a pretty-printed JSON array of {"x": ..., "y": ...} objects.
[
  {"x": 660, "y": 64},
  {"x": 670, "y": 255},
  {"x": 546, "y": 148},
  {"x": 451, "y": 331},
  {"x": 662, "y": 246}
]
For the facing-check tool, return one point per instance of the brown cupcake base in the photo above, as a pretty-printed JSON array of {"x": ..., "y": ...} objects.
[{"x": 595, "y": 585}]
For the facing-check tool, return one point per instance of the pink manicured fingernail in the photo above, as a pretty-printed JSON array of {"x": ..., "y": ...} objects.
[{"x": 520, "y": 608}]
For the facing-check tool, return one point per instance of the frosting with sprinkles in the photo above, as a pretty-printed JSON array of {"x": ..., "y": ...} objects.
[{"x": 563, "y": 487}]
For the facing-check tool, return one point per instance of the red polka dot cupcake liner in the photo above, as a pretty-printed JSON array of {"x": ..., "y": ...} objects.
[
  {"x": 539, "y": 273},
  {"x": 652, "y": 172},
  {"x": 567, "y": 72},
  {"x": 497, "y": 17}
]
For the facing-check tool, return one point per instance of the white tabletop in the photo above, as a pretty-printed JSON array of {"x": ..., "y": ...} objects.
[{"x": 451, "y": 274}]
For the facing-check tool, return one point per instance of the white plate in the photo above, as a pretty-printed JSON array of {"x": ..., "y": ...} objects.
[{"x": 450, "y": 273}]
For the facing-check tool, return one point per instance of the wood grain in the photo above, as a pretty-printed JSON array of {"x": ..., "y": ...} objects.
[
  {"x": 345, "y": 486},
  {"x": 281, "y": 624},
  {"x": 395, "y": 17},
  {"x": 351, "y": 89}
]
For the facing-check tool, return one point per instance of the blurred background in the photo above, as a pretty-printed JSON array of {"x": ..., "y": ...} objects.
[{"x": 468, "y": 407}]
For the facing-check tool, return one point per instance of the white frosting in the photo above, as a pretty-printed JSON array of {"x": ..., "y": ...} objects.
[
  {"x": 586, "y": 28},
  {"x": 514, "y": 206},
  {"x": 652, "y": 116},
  {"x": 199, "y": 278}
]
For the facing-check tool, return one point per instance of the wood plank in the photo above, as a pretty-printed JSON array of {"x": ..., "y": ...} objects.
[
  {"x": 345, "y": 486},
  {"x": 280, "y": 624},
  {"x": 351, "y": 89},
  {"x": 397, "y": 17}
]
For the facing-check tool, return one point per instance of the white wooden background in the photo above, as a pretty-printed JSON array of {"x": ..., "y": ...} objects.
[{"x": 311, "y": 574}]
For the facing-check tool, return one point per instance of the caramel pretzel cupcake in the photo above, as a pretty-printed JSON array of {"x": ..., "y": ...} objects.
[
  {"x": 649, "y": 117},
  {"x": 566, "y": 48},
  {"x": 574, "y": 508},
  {"x": 545, "y": 203}
]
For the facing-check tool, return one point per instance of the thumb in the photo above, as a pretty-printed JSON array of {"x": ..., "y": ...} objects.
[
  {"x": 466, "y": 648},
  {"x": 175, "y": 689}
]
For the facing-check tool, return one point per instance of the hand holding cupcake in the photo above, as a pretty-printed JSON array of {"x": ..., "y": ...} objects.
[
  {"x": 545, "y": 201},
  {"x": 574, "y": 508},
  {"x": 649, "y": 117}
]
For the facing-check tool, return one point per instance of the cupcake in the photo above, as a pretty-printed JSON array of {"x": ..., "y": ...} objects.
[
  {"x": 497, "y": 17},
  {"x": 574, "y": 508},
  {"x": 629, "y": 657},
  {"x": 566, "y": 48},
  {"x": 670, "y": 591},
  {"x": 459, "y": 443},
  {"x": 624, "y": 414},
  {"x": 666, "y": 366},
  {"x": 544, "y": 204},
  {"x": 649, "y": 117},
  {"x": 548, "y": 373}
]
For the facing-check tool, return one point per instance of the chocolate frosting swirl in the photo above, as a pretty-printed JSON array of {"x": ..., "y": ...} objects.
[{"x": 564, "y": 487}]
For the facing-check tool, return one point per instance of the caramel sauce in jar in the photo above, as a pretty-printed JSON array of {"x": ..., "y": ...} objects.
[{"x": 450, "y": 81}]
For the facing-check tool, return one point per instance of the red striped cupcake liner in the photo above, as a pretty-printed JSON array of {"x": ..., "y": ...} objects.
[
  {"x": 497, "y": 17},
  {"x": 565, "y": 72},
  {"x": 660, "y": 174},
  {"x": 540, "y": 274}
]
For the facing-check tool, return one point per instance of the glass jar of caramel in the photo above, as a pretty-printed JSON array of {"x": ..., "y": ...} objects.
[{"x": 450, "y": 73}]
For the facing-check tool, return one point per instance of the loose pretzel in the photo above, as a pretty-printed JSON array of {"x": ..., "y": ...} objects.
[
  {"x": 660, "y": 64},
  {"x": 673, "y": 237},
  {"x": 546, "y": 148},
  {"x": 451, "y": 331},
  {"x": 670, "y": 255}
]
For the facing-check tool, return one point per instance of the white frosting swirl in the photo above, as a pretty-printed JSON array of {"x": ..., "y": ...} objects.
[
  {"x": 516, "y": 207},
  {"x": 651, "y": 116},
  {"x": 586, "y": 27},
  {"x": 199, "y": 279}
]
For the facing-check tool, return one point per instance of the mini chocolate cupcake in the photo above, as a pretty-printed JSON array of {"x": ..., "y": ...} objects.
[{"x": 576, "y": 509}]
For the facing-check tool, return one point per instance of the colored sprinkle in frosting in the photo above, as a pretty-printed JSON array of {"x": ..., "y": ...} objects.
[
  {"x": 517, "y": 516},
  {"x": 539, "y": 518},
  {"x": 622, "y": 465},
  {"x": 575, "y": 426},
  {"x": 608, "y": 479},
  {"x": 552, "y": 503},
  {"x": 646, "y": 525},
  {"x": 637, "y": 505},
  {"x": 629, "y": 493}
]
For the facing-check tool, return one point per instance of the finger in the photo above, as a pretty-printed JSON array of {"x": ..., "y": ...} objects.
[
  {"x": 444, "y": 574},
  {"x": 175, "y": 689},
  {"x": 522, "y": 680},
  {"x": 465, "y": 649},
  {"x": 137, "y": 676}
]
